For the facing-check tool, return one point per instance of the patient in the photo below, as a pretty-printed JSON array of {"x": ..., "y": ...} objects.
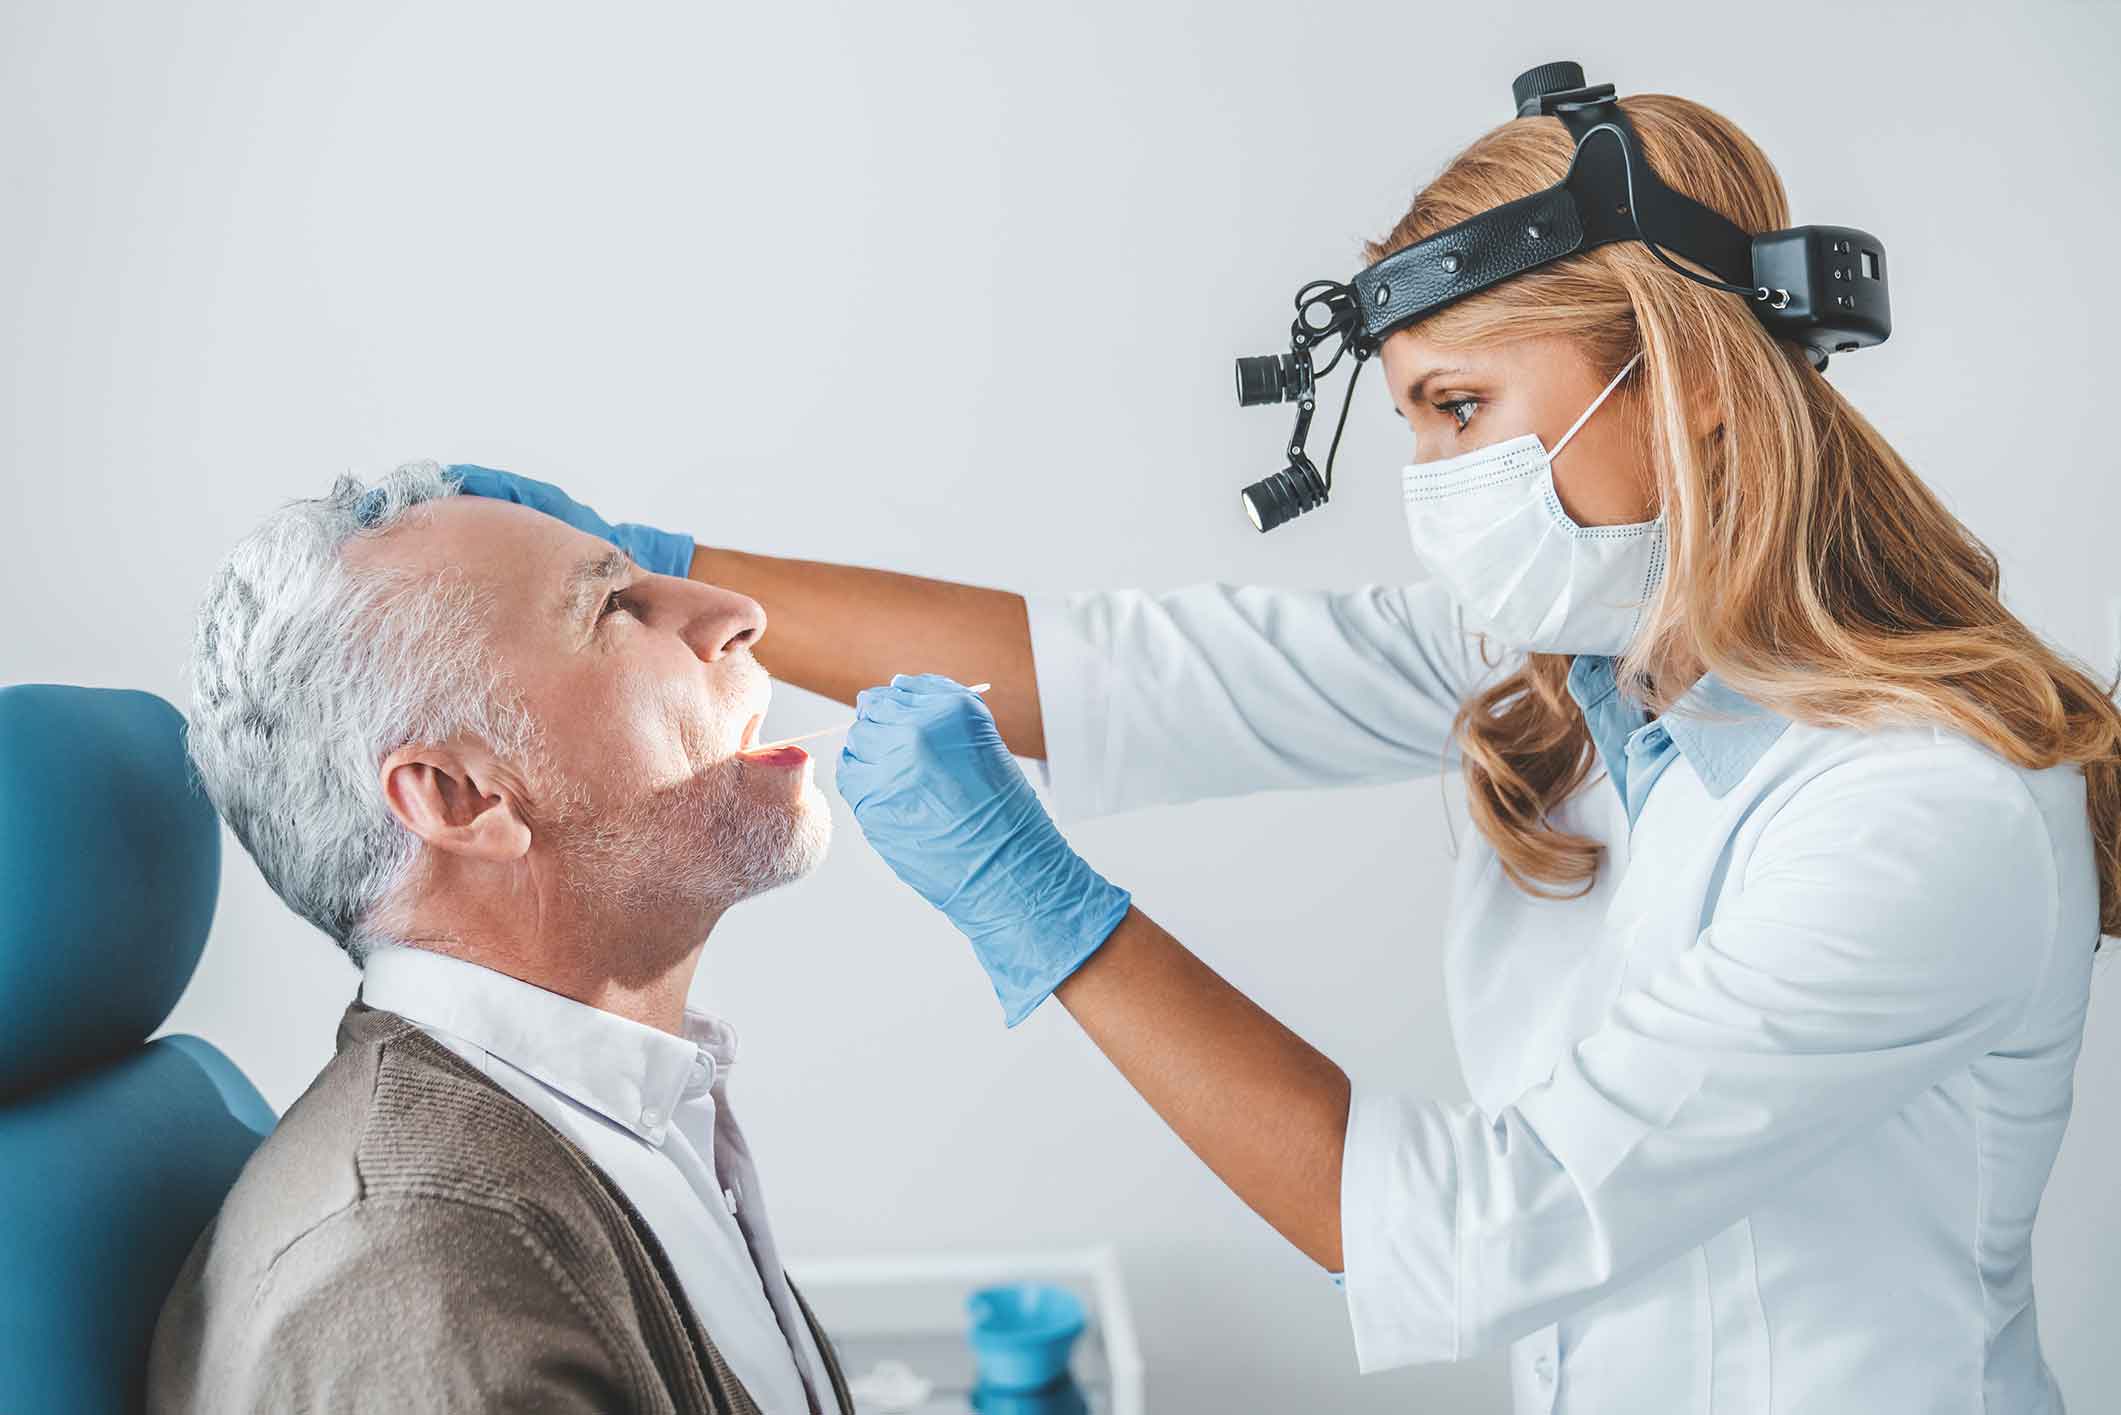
[{"x": 501, "y": 766}]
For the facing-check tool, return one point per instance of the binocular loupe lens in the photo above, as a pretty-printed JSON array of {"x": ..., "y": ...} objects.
[
  {"x": 1270, "y": 378},
  {"x": 1280, "y": 498}
]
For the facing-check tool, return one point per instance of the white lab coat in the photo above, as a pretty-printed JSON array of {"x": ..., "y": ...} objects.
[{"x": 1760, "y": 1123}]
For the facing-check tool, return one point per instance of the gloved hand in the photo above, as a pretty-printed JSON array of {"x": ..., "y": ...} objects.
[
  {"x": 944, "y": 803},
  {"x": 657, "y": 552}
]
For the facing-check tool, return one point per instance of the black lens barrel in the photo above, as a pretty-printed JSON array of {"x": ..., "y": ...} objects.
[
  {"x": 1281, "y": 378},
  {"x": 1276, "y": 500},
  {"x": 1272, "y": 378}
]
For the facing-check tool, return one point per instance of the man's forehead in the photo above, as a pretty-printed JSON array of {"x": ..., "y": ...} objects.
[
  {"x": 534, "y": 557},
  {"x": 459, "y": 527}
]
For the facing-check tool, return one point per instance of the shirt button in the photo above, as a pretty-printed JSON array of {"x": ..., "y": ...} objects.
[
  {"x": 650, "y": 1118},
  {"x": 729, "y": 1198},
  {"x": 1544, "y": 1369}
]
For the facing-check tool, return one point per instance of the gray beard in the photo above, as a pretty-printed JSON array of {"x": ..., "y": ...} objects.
[{"x": 696, "y": 848}]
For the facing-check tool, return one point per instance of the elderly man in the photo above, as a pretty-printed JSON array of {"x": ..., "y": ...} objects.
[{"x": 506, "y": 767}]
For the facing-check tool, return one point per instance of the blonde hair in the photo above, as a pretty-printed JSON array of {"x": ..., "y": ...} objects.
[{"x": 1810, "y": 569}]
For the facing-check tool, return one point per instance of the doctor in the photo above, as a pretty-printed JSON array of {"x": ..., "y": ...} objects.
[{"x": 1768, "y": 965}]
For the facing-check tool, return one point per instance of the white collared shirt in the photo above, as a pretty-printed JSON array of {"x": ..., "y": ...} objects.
[
  {"x": 650, "y": 1110},
  {"x": 1760, "y": 1122}
]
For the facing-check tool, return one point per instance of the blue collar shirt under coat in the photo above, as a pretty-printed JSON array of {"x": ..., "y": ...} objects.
[{"x": 1760, "y": 1122}]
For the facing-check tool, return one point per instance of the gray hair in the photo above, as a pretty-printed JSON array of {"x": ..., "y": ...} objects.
[{"x": 304, "y": 675}]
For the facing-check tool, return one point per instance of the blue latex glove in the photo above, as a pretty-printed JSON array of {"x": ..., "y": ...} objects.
[
  {"x": 948, "y": 808},
  {"x": 657, "y": 552}
]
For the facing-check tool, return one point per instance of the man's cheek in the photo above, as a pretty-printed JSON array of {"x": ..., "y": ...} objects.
[
  {"x": 612, "y": 734},
  {"x": 701, "y": 728}
]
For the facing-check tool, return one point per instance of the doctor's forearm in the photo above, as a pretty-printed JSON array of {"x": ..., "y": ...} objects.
[
  {"x": 837, "y": 629},
  {"x": 1260, "y": 1106}
]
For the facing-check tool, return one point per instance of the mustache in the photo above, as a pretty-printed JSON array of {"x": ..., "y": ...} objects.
[{"x": 711, "y": 731}]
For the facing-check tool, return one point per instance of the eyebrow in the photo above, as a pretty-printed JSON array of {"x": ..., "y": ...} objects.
[
  {"x": 1415, "y": 388},
  {"x": 578, "y": 591}
]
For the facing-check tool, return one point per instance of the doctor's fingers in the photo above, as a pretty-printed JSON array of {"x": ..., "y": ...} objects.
[
  {"x": 864, "y": 780},
  {"x": 497, "y": 485},
  {"x": 473, "y": 480},
  {"x": 877, "y": 744},
  {"x": 918, "y": 711},
  {"x": 927, "y": 683},
  {"x": 885, "y": 731},
  {"x": 870, "y": 698},
  {"x": 856, "y": 780},
  {"x": 884, "y": 708}
]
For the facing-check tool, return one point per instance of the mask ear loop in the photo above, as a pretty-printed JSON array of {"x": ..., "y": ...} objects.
[{"x": 1594, "y": 407}]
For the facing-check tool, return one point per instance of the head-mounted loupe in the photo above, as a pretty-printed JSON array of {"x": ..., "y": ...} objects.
[{"x": 1823, "y": 286}]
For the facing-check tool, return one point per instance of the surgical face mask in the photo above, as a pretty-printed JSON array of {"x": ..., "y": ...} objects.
[{"x": 1489, "y": 525}]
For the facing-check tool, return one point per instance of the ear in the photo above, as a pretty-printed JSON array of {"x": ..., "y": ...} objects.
[
  {"x": 455, "y": 801},
  {"x": 1705, "y": 416}
]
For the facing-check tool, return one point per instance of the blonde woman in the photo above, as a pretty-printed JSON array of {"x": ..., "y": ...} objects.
[{"x": 1768, "y": 966}]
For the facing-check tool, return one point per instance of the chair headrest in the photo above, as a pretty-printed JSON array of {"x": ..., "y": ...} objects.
[{"x": 110, "y": 860}]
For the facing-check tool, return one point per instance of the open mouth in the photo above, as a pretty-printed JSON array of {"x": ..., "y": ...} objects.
[{"x": 785, "y": 756}]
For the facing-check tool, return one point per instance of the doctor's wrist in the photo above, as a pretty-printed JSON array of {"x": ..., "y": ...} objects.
[{"x": 1027, "y": 961}]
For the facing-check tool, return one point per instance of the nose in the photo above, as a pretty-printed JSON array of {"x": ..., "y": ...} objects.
[{"x": 727, "y": 621}]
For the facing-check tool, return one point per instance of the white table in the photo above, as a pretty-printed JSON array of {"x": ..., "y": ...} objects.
[{"x": 911, "y": 1309}]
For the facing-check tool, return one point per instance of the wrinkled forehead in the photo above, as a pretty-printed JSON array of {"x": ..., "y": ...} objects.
[{"x": 528, "y": 567}]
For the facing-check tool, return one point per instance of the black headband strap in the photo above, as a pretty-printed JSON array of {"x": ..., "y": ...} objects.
[{"x": 1610, "y": 193}]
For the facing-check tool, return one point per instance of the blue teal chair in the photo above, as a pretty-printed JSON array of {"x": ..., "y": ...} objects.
[{"x": 114, "y": 1151}]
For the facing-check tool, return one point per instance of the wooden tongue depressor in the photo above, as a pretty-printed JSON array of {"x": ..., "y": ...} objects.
[{"x": 828, "y": 731}]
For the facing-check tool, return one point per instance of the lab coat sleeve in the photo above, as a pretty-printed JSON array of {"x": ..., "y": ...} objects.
[
  {"x": 1216, "y": 690},
  {"x": 1893, "y": 922}
]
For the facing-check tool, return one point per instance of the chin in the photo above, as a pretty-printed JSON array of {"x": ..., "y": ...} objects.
[
  {"x": 774, "y": 844},
  {"x": 809, "y": 834},
  {"x": 709, "y": 843}
]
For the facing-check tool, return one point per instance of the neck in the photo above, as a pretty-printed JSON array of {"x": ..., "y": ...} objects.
[
  {"x": 639, "y": 966},
  {"x": 1667, "y": 682}
]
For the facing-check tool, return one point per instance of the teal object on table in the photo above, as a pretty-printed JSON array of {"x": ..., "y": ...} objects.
[
  {"x": 1022, "y": 1333},
  {"x": 1063, "y": 1397},
  {"x": 115, "y": 1151}
]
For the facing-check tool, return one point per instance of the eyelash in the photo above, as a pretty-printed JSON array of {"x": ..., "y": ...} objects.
[
  {"x": 611, "y": 602},
  {"x": 1459, "y": 403}
]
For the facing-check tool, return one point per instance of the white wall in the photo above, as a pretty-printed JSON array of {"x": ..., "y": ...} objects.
[{"x": 956, "y": 290}]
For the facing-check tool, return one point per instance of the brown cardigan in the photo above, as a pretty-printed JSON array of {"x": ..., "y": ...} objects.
[{"x": 412, "y": 1237}]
